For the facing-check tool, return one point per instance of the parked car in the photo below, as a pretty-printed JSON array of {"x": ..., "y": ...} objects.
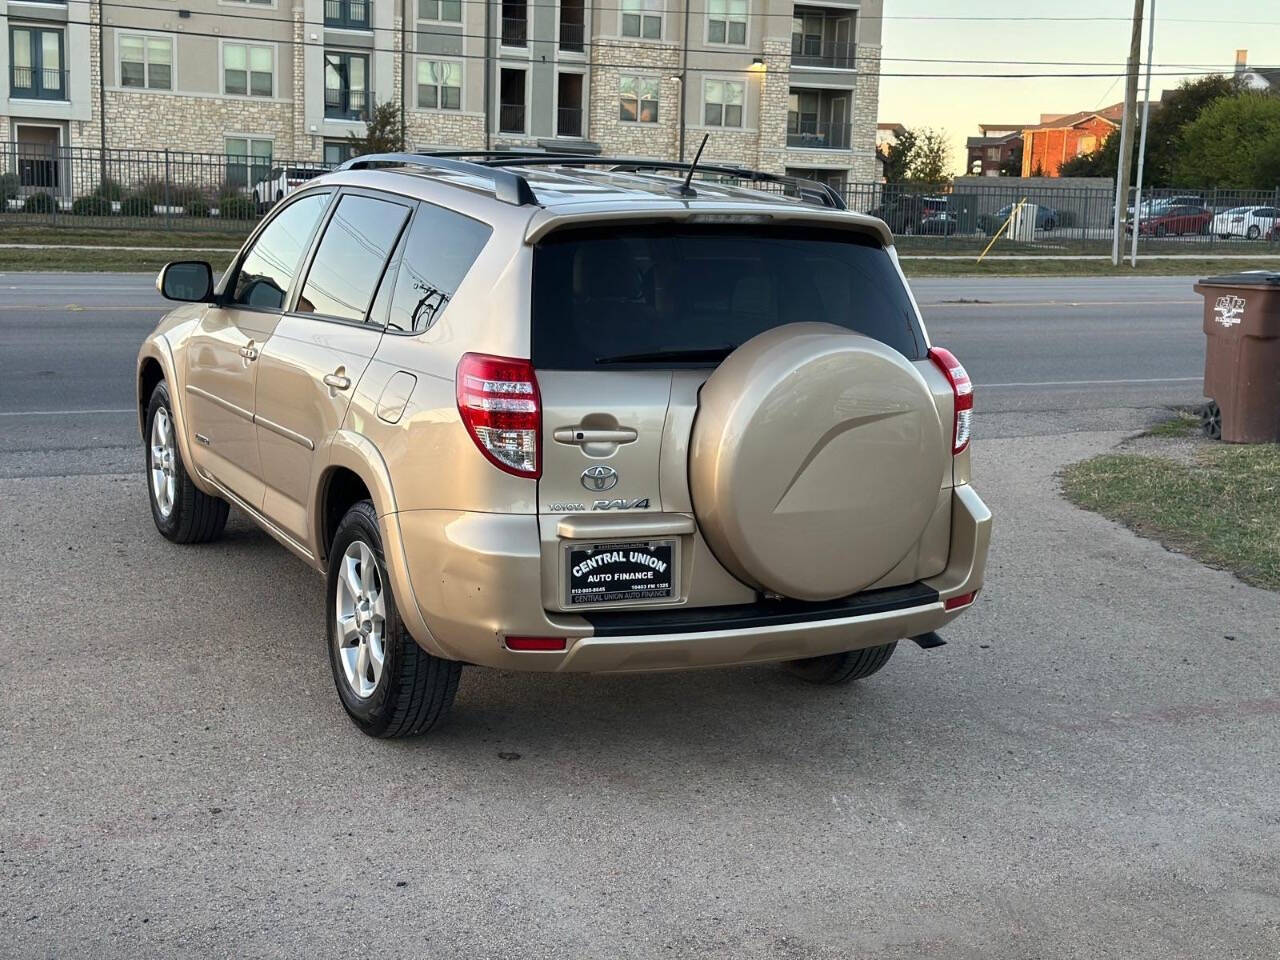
[
  {"x": 1252, "y": 223},
  {"x": 1174, "y": 221},
  {"x": 550, "y": 426},
  {"x": 938, "y": 224},
  {"x": 905, "y": 213},
  {"x": 1047, "y": 218},
  {"x": 280, "y": 182}
]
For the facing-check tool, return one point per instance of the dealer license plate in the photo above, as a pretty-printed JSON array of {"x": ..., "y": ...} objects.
[{"x": 612, "y": 572}]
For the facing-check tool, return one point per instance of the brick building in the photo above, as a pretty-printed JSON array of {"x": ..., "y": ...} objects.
[
  {"x": 994, "y": 149},
  {"x": 1062, "y": 137},
  {"x": 777, "y": 84}
]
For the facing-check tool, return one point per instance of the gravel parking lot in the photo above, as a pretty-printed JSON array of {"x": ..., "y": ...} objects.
[{"x": 1088, "y": 768}]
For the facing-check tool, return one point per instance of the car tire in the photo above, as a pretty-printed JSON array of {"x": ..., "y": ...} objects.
[
  {"x": 1050, "y": 225},
  {"x": 181, "y": 511},
  {"x": 841, "y": 667},
  {"x": 389, "y": 686},
  {"x": 1254, "y": 232},
  {"x": 1161, "y": 230},
  {"x": 1224, "y": 236}
]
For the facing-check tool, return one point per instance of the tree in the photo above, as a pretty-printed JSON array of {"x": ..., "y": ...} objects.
[
  {"x": 930, "y": 160},
  {"x": 897, "y": 157},
  {"x": 1013, "y": 166},
  {"x": 1168, "y": 118},
  {"x": 1231, "y": 144},
  {"x": 384, "y": 133}
]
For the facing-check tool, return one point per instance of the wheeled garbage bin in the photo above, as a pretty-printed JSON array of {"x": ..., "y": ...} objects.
[{"x": 1242, "y": 356}]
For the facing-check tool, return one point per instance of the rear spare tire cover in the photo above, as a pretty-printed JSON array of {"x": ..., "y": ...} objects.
[{"x": 815, "y": 461}]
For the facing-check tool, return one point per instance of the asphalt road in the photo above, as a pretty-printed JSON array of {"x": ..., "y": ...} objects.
[
  {"x": 1087, "y": 769},
  {"x": 1060, "y": 354}
]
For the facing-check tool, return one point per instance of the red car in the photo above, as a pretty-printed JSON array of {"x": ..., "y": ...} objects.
[{"x": 1175, "y": 220}]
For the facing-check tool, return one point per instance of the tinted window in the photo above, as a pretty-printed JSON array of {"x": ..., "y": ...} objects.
[
  {"x": 348, "y": 263},
  {"x": 441, "y": 247},
  {"x": 662, "y": 289},
  {"x": 269, "y": 267}
]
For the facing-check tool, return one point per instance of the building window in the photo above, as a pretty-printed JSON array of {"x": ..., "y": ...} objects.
[
  {"x": 727, "y": 21},
  {"x": 993, "y": 153},
  {"x": 338, "y": 151},
  {"x": 248, "y": 160},
  {"x": 35, "y": 67},
  {"x": 439, "y": 85},
  {"x": 511, "y": 101},
  {"x": 146, "y": 62},
  {"x": 638, "y": 99},
  {"x": 445, "y": 11},
  {"x": 642, "y": 18},
  {"x": 247, "y": 70},
  {"x": 347, "y": 14},
  {"x": 346, "y": 86},
  {"x": 723, "y": 102}
]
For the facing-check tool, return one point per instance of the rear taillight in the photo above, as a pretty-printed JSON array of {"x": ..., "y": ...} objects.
[
  {"x": 962, "y": 387},
  {"x": 499, "y": 404}
]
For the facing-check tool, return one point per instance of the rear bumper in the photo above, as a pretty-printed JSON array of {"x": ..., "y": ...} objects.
[{"x": 476, "y": 578}]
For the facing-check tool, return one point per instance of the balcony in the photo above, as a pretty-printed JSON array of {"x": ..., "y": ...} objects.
[
  {"x": 341, "y": 103},
  {"x": 571, "y": 37},
  {"x": 811, "y": 51},
  {"x": 810, "y": 134},
  {"x": 347, "y": 14},
  {"x": 824, "y": 37},
  {"x": 511, "y": 118},
  {"x": 30, "y": 83},
  {"x": 569, "y": 122},
  {"x": 515, "y": 32}
]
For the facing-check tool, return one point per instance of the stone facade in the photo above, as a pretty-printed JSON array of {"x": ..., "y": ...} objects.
[
  {"x": 611, "y": 60},
  {"x": 198, "y": 117}
]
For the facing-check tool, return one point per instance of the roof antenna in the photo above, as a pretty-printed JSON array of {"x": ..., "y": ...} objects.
[{"x": 684, "y": 190}]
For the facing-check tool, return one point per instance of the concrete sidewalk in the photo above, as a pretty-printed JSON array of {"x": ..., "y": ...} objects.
[{"x": 1089, "y": 768}]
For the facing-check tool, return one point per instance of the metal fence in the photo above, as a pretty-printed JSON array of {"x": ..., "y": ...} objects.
[
  {"x": 88, "y": 187},
  {"x": 1069, "y": 220}
]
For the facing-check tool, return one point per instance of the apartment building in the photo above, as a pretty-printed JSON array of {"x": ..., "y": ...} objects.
[{"x": 778, "y": 85}]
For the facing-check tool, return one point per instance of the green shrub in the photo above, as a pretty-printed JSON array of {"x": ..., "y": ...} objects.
[
  {"x": 8, "y": 188},
  {"x": 137, "y": 205},
  {"x": 40, "y": 203},
  {"x": 110, "y": 189},
  {"x": 238, "y": 207},
  {"x": 184, "y": 194},
  {"x": 198, "y": 207},
  {"x": 1068, "y": 218},
  {"x": 91, "y": 206}
]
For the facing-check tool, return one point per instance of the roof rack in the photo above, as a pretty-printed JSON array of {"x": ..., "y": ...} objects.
[
  {"x": 507, "y": 187},
  {"x": 809, "y": 191}
]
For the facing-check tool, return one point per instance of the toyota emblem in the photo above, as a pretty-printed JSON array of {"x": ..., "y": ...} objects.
[{"x": 599, "y": 479}]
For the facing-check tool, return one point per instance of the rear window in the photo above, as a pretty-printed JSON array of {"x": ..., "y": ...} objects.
[{"x": 607, "y": 293}]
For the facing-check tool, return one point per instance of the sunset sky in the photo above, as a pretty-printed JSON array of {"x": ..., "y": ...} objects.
[{"x": 957, "y": 105}]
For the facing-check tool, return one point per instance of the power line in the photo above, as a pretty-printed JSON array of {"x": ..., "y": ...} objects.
[
  {"x": 914, "y": 18},
  {"x": 650, "y": 66}
]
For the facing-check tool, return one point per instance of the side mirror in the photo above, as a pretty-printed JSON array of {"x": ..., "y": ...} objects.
[{"x": 189, "y": 281}]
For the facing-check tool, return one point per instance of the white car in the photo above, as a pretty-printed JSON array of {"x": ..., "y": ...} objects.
[
  {"x": 281, "y": 182},
  {"x": 1252, "y": 223}
]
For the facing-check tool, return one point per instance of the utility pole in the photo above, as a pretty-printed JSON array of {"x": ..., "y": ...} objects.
[
  {"x": 1126, "y": 134},
  {"x": 1142, "y": 142}
]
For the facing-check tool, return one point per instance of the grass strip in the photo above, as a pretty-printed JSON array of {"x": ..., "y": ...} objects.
[{"x": 1222, "y": 509}]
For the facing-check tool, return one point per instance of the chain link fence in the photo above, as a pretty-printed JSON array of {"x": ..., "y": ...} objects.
[{"x": 168, "y": 189}]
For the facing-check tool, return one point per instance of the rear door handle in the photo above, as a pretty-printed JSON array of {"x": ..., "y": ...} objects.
[
  {"x": 337, "y": 381},
  {"x": 249, "y": 351},
  {"x": 582, "y": 435}
]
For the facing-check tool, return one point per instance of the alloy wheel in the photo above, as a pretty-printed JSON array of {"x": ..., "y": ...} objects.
[
  {"x": 164, "y": 468},
  {"x": 360, "y": 606}
]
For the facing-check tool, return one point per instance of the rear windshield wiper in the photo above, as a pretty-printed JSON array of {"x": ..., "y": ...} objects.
[{"x": 692, "y": 355}]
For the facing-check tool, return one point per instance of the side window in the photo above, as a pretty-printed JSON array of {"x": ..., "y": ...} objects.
[
  {"x": 348, "y": 263},
  {"x": 271, "y": 263},
  {"x": 440, "y": 249}
]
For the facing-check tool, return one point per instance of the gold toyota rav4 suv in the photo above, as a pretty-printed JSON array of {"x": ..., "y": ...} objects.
[{"x": 571, "y": 414}]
